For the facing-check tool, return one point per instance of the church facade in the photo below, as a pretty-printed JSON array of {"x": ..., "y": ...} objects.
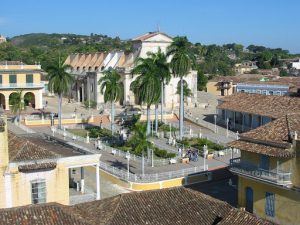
[{"x": 88, "y": 69}]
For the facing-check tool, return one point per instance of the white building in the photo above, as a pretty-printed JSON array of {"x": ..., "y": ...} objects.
[
  {"x": 88, "y": 68},
  {"x": 2, "y": 39},
  {"x": 296, "y": 65}
]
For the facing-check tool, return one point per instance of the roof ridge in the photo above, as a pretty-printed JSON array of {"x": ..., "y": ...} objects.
[
  {"x": 118, "y": 205},
  {"x": 20, "y": 150}
]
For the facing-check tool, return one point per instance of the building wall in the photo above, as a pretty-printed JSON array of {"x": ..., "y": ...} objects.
[
  {"x": 36, "y": 87},
  {"x": 286, "y": 201},
  {"x": 213, "y": 88},
  {"x": 284, "y": 164},
  {"x": 57, "y": 186}
]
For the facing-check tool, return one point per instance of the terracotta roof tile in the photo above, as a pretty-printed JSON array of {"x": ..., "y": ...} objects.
[
  {"x": 37, "y": 167},
  {"x": 272, "y": 139},
  {"x": 149, "y": 35},
  {"x": 167, "y": 206},
  {"x": 21, "y": 149},
  {"x": 44, "y": 214},
  {"x": 266, "y": 105}
]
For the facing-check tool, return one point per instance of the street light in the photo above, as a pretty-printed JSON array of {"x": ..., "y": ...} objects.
[
  {"x": 227, "y": 122},
  {"x": 128, "y": 158},
  {"x": 205, "y": 152},
  {"x": 52, "y": 119},
  {"x": 215, "y": 116},
  {"x": 143, "y": 164}
]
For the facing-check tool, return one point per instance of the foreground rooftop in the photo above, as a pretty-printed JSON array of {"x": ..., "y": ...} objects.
[{"x": 166, "y": 206}]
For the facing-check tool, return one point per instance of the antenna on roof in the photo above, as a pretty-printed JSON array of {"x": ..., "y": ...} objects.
[{"x": 157, "y": 27}]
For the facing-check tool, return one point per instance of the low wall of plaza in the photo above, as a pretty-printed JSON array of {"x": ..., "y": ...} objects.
[
  {"x": 152, "y": 117},
  {"x": 176, "y": 182},
  {"x": 64, "y": 121}
]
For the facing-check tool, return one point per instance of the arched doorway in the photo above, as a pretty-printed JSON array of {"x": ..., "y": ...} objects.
[
  {"x": 29, "y": 99},
  {"x": 2, "y": 101}
]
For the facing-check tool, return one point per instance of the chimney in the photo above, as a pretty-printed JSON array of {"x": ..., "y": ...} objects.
[{"x": 3, "y": 141}]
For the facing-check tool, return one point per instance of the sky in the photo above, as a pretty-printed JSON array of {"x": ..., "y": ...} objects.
[{"x": 272, "y": 23}]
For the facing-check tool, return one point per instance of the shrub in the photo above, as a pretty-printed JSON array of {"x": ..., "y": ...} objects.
[{"x": 92, "y": 104}]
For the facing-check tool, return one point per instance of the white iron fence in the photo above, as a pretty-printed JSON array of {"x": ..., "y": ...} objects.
[{"x": 148, "y": 178}]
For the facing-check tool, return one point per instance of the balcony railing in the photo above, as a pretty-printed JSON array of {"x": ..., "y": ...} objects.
[
  {"x": 223, "y": 86},
  {"x": 251, "y": 170},
  {"x": 18, "y": 85}
]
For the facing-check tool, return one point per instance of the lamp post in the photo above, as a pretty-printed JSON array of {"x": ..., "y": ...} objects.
[
  {"x": 227, "y": 123},
  {"x": 143, "y": 164},
  {"x": 128, "y": 158},
  {"x": 152, "y": 123},
  {"x": 215, "y": 117},
  {"x": 152, "y": 160},
  {"x": 205, "y": 151},
  {"x": 52, "y": 119}
]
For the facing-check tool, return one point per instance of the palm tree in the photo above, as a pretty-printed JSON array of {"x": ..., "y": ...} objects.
[
  {"x": 59, "y": 82},
  {"x": 163, "y": 72},
  {"x": 17, "y": 103},
  {"x": 181, "y": 64},
  {"x": 146, "y": 87},
  {"x": 112, "y": 89},
  {"x": 139, "y": 138}
]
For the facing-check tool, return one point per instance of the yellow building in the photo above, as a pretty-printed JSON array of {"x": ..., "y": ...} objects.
[
  {"x": 269, "y": 170},
  {"x": 31, "y": 174},
  {"x": 15, "y": 76},
  {"x": 220, "y": 88}
]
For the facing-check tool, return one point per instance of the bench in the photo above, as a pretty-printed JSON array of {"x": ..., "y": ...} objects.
[{"x": 173, "y": 161}]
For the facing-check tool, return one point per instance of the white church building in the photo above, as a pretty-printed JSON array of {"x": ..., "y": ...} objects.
[{"x": 88, "y": 68}]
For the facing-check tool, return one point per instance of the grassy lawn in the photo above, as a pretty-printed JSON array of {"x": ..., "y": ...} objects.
[{"x": 78, "y": 132}]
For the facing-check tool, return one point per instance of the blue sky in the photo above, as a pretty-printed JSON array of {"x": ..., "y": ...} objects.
[{"x": 273, "y": 23}]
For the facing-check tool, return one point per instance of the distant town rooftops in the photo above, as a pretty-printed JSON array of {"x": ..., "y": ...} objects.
[
  {"x": 242, "y": 78},
  {"x": 272, "y": 139},
  {"x": 265, "y": 105},
  {"x": 167, "y": 206}
]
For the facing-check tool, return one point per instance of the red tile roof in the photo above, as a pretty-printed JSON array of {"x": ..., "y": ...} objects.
[
  {"x": 21, "y": 149},
  {"x": 273, "y": 139},
  {"x": 149, "y": 35},
  {"x": 174, "y": 206},
  {"x": 265, "y": 105}
]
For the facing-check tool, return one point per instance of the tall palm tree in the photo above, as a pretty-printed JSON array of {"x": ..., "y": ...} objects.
[
  {"x": 59, "y": 82},
  {"x": 180, "y": 65},
  {"x": 163, "y": 72},
  {"x": 146, "y": 87},
  {"x": 112, "y": 89}
]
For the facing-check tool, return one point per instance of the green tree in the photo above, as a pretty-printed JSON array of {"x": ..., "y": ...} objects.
[
  {"x": 17, "y": 103},
  {"x": 201, "y": 81},
  {"x": 112, "y": 89},
  {"x": 162, "y": 69},
  {"x": 180, "y": 65},
  {"x": 59, "y": 82},
  {"x": 139, "y": 139},
  {"x": 147, "y": 86}
]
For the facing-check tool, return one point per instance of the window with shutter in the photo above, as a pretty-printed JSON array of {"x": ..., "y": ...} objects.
[{"x": 270, "y": 204}]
